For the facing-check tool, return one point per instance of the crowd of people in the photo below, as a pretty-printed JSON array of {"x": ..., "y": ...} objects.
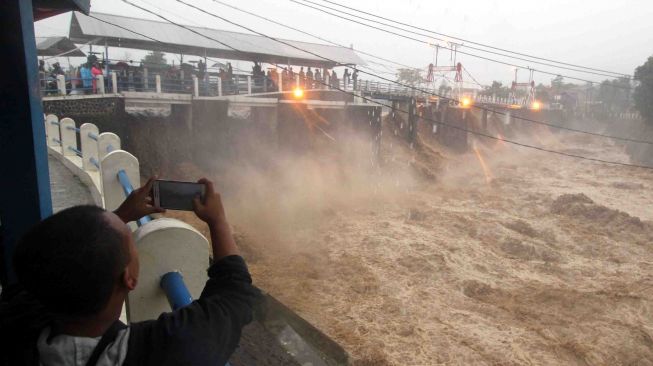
[
  {"x": 310, "y": 79},
  {"x": 175, "y": 79}
]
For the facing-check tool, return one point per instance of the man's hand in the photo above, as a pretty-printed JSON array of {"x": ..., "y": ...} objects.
[
  {"x": 138, "y": 204},
  {"x": 211, "y": 210}
]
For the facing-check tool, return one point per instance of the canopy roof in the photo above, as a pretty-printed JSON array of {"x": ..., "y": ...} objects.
[
  {"x": 174, "y": 39},
  {"x": 57, "y": 46}
]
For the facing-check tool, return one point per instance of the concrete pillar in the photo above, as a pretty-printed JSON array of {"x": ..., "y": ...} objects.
[
  {"x": 89, "y": 146},
  {"x": 297, "y": 81},
  {"x": 327, "y": 81},
  {"x": 280, "y": 82},
  {"x": 68, "y": 136},
  {"x": 484, "y": 120},
  {"x": 219, "y": 86},
  {"x": 54, "y": 135},
  {"x": 196, "y": 88},
  {"x": 146, "y": 79},
  {"x": 249, "y": 84},
  {"x": 61, "y": 84},
  {"x": 114, "y": 82},
  {"x": 106, "y": 139},
  {"x": 111, "y": 164},
  {"x": 99, "y": 83},
  {"x": 166, "y": 245},
  {"x": 158, "y": 83}
]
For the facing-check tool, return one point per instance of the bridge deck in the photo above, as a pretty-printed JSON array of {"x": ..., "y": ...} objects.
[{"x": 67, "y": 190}]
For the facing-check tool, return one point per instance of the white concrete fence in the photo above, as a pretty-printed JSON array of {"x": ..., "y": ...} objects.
[{"x": 165, "y": 245}]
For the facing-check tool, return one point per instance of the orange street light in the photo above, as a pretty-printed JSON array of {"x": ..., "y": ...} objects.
[
  {"x": 298, "y": 93},
  {"x": 536, "y": 106}
]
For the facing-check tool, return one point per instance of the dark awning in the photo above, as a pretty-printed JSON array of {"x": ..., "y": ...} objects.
[
  {"x": 174, "y": 39},
  {"x": 48, "y": 8}
]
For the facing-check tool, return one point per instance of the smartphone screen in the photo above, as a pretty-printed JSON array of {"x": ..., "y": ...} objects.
[{"x": 176, "y": 195}]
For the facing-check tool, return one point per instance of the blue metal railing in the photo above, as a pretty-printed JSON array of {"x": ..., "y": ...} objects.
[
  {"x": 56, "y": 140},
  {"x": 128, "y": 189},
  {"x": 76, "y": 151},
  {"x": 55, "y": 123},
  {"x": 92, "y": 136},
  {"x": 94, "y": 162},
  {"x": 72, "y": 128},
  {"x": 175, "y": 289}
]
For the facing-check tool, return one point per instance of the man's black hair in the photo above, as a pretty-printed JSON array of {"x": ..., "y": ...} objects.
[{"x": 71, "y": 260}]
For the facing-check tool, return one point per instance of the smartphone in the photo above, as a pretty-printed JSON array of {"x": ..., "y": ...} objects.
[{"x": 175, "y": 195}]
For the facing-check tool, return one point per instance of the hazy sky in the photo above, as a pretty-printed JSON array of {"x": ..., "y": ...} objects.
[{"x": 606, "y": 34}]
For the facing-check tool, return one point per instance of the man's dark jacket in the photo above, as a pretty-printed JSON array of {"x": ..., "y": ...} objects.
[{"x": 206, "y": 332}]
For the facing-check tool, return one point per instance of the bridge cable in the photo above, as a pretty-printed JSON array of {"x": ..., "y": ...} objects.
[
  {"x": 478, "y": 43},
  {"x": 477, "y": 133},
  {"x": 462, "y": 52}
]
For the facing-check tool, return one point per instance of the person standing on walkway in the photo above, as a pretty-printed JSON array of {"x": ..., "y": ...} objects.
[
  {"x": 318, "y": 79},
  {"x": 334, "y": 80},
  {"x": 87, "y": 78},
  {"x": 95, "y": 72},
  {"x": 309, "y": 78}
]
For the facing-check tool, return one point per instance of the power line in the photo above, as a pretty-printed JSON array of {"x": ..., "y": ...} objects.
[
  {"x": 451, "y": 49},
  {"x": 470, "y": 47},
  {"x": 477, "y": 43},
  {"x": 410, "y": 86},
  {"x": 382, "y": 104},
  {"x": 308, "y": 34}
]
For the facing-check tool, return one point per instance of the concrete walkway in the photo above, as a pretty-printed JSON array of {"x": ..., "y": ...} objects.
[{"x": 67, "y": 190}]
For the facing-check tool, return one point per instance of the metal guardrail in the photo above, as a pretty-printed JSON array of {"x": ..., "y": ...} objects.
[{"x": 175, "y": 289}]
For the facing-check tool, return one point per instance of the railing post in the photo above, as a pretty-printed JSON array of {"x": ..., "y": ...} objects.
[
  {"x": 54, "y": 136},
  {"x": 89, "y": 146},
  {"x": 110, "y": 166},
  {"x": 105, "y": 141},
  {"x": 114, "y": 82},
  {"x": 158, "y": 83},
  {"x": 297, "y": 81},
  {"x": 100, "y": 84},
  {"x": 68, "y": 136},
  {"x": 167, "y": 249},
  {"x": 280, "y": 81},
  {"x": 61, "y": 84},
  {"x": 219, "y": 86},
  {"x": 196, "y": 87},
  {"x": 327, "y": 81},
  {"x": 249, "y": 84},
  {"x": 146, "y": 80}
]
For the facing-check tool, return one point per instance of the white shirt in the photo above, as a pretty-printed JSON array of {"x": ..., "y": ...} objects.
[{"x": 65, "y": 350}]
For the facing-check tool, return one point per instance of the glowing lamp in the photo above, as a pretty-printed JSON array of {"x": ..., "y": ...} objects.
[
  {"x": 298, "y": 93},
  {"x": 466, "y": 102},
  {"x": 536, "y": 106}
]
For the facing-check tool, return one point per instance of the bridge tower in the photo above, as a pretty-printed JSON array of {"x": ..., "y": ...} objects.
[
  {"x": 457, "y": 67},
  {"x": 530, "y": 85}
]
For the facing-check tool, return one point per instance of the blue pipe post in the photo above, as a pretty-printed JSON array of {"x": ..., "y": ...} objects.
[
  {"x": 175, "y": 289},
  {"x": 24, "y": 184},
  {"x": 128, "y": 189}
]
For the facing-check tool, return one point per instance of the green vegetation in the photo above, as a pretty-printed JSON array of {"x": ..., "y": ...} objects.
[
  {"x": 643, "y": 94},
  {"x": 154, "y": 59}
]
